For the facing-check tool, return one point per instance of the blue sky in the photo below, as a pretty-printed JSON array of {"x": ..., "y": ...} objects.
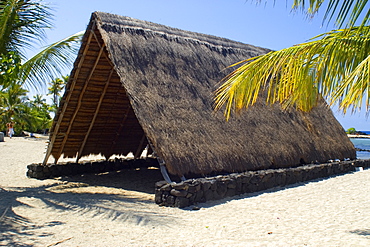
[{"x": 269, "y": 25}]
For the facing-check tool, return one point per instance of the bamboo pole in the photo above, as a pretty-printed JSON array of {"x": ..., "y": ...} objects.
[
  {"x": 80, "y": 100},
  {"x": 120, "y": 127},
  {"x": 68, "y": 97},
  {"x": 140, "y": 147},
  {"x": 95, "y": 115}
]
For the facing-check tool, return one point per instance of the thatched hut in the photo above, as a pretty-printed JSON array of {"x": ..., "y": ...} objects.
[{"x": 136, "y": 82}]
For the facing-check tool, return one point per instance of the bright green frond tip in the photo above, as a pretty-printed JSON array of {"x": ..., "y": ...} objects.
[{"x": 335, "y": 66}]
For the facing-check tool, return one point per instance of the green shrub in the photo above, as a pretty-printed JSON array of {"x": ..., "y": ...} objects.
[{"x": 351, "y": 131}]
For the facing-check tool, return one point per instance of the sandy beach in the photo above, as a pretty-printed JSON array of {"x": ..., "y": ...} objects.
[{"x": 118, "y": 209}]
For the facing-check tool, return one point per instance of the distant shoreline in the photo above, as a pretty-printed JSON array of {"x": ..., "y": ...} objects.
[{"x": 358, "y": 136}]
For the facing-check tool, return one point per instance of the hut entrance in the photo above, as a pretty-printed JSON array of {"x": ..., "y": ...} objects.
[{"x": 95, "y": 116}]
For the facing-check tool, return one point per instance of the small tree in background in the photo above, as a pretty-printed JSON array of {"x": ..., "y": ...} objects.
[
  {"x": 56, "y": 88},
  {"x": 40, "y": 118},
  {"x": 351, "y": 131},
  {"x": 12, "y": 104}
]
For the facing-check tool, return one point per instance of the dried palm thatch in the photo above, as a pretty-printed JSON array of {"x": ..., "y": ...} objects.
[{"x": 135, "y": 81}]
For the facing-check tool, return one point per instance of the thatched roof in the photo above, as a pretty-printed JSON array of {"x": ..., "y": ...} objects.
[{"x": 134, "y": 80}]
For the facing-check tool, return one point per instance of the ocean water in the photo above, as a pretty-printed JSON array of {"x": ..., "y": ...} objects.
[{"x": 362, "y": 143}]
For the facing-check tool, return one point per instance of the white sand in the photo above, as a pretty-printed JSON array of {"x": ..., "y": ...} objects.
[{"x": 118, "y": 210}]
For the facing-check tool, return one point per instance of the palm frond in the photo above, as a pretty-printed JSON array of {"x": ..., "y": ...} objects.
[
  {"x": 51, "y": 61},
  {"x": 298, "y": 75},
  {"x": 352, "y": 91},
  {"x": 346, "y": 13},
  {"x": 22, "y": 24}
]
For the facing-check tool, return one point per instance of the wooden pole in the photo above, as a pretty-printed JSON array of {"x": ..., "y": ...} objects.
[
  {"x": 95, "y": 115},
  {"x": 80, "y": 100},
  {"x": 68, "y": 97},
  {"x": 140, "y": 147}
]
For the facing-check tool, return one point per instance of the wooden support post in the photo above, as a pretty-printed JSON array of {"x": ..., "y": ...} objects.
[
  {"x": 54, "y": 134},
  {"x": 120, "y": 127},
  {"x": 140, "y": 147},
  {"x": 95, "y": 115},
  {"x": 79, "y": 100}
]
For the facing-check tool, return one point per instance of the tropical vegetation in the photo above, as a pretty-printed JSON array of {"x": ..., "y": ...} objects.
[
  {"x": 334, "y": 65},
  {"x": 56, "y": 87},
  {"x": 351, "y": 131},
  {"x": 22, "y": 26}
]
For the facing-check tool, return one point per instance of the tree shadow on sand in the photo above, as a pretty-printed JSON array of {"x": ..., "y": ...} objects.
[{"x": 118, "y": 196}]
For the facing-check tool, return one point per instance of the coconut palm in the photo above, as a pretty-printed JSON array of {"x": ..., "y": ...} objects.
[
  {"x": 334, "y": 65},
  {"x": 12, "y": 103},
  {"x": 22, "y": 25},
  {"x": 55, "y": 89},
  {"x": 39, "y": 117}
]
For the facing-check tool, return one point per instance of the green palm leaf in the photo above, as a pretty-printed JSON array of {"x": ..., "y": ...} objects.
[
  {"x": 346, "y": 13},
  {"x": 49, "y": 63},
  {"x": 297, "y": 76},
  {"x": 355, "y": 88},
  {"x": 22, "y": 24}
]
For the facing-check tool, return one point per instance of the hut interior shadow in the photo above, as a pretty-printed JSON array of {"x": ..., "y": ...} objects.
[{"x": 139, "y": 179}]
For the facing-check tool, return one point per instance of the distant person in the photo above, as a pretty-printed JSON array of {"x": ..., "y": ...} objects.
[{"x": 10, "y": 127}]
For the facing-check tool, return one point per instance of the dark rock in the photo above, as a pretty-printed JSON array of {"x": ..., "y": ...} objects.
[
  {"x": 231, "y": 184},
  {"x": 255, "y": 179},
  {"x": 329, "y": 169},
  {"x": 208, "y": 195},
  {"x": 38, "y": 168},
  {"x": 158, "y": 197},
  {"x": 45, "y": 169},
  {"x": 179, "y": 193},
  {"x": 213, "y": 185},
  {"x": 239, "y": 186},
  {"x": 206, "y": 185},
  {"x": 39, "y": 175},
  {"x": 194, "y": 186},
  {"x": 160, "y": 184},
  {"x": 246, "y": 178},
  {"x": 249, "y": 188},
  {"x": 166, "y": 187},
  {"x": 230, "y": 192},
  {"x": 221, "y": 189},
  {"x": 217, "y": 196},
  {"x": 199, "y": 196},
  {"x": 29, "y": 173},
  {"x": 279, "y": 177},
  {"x": 180, "y": 186},
  {"x": 191, "y": 189},
  {"x": 189, "y": 195},
  {"x": 181, "y": 202},
  {"x": 308, "y": 173},
  {"x": 32, "y": 167},
  {"x": 170, "y": 201},
  {"x": 268, "y": 181},
  {"x": 290, "y": 177}
]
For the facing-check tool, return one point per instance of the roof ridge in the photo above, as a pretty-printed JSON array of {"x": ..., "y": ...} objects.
[{"x": 129, "y": 22}]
